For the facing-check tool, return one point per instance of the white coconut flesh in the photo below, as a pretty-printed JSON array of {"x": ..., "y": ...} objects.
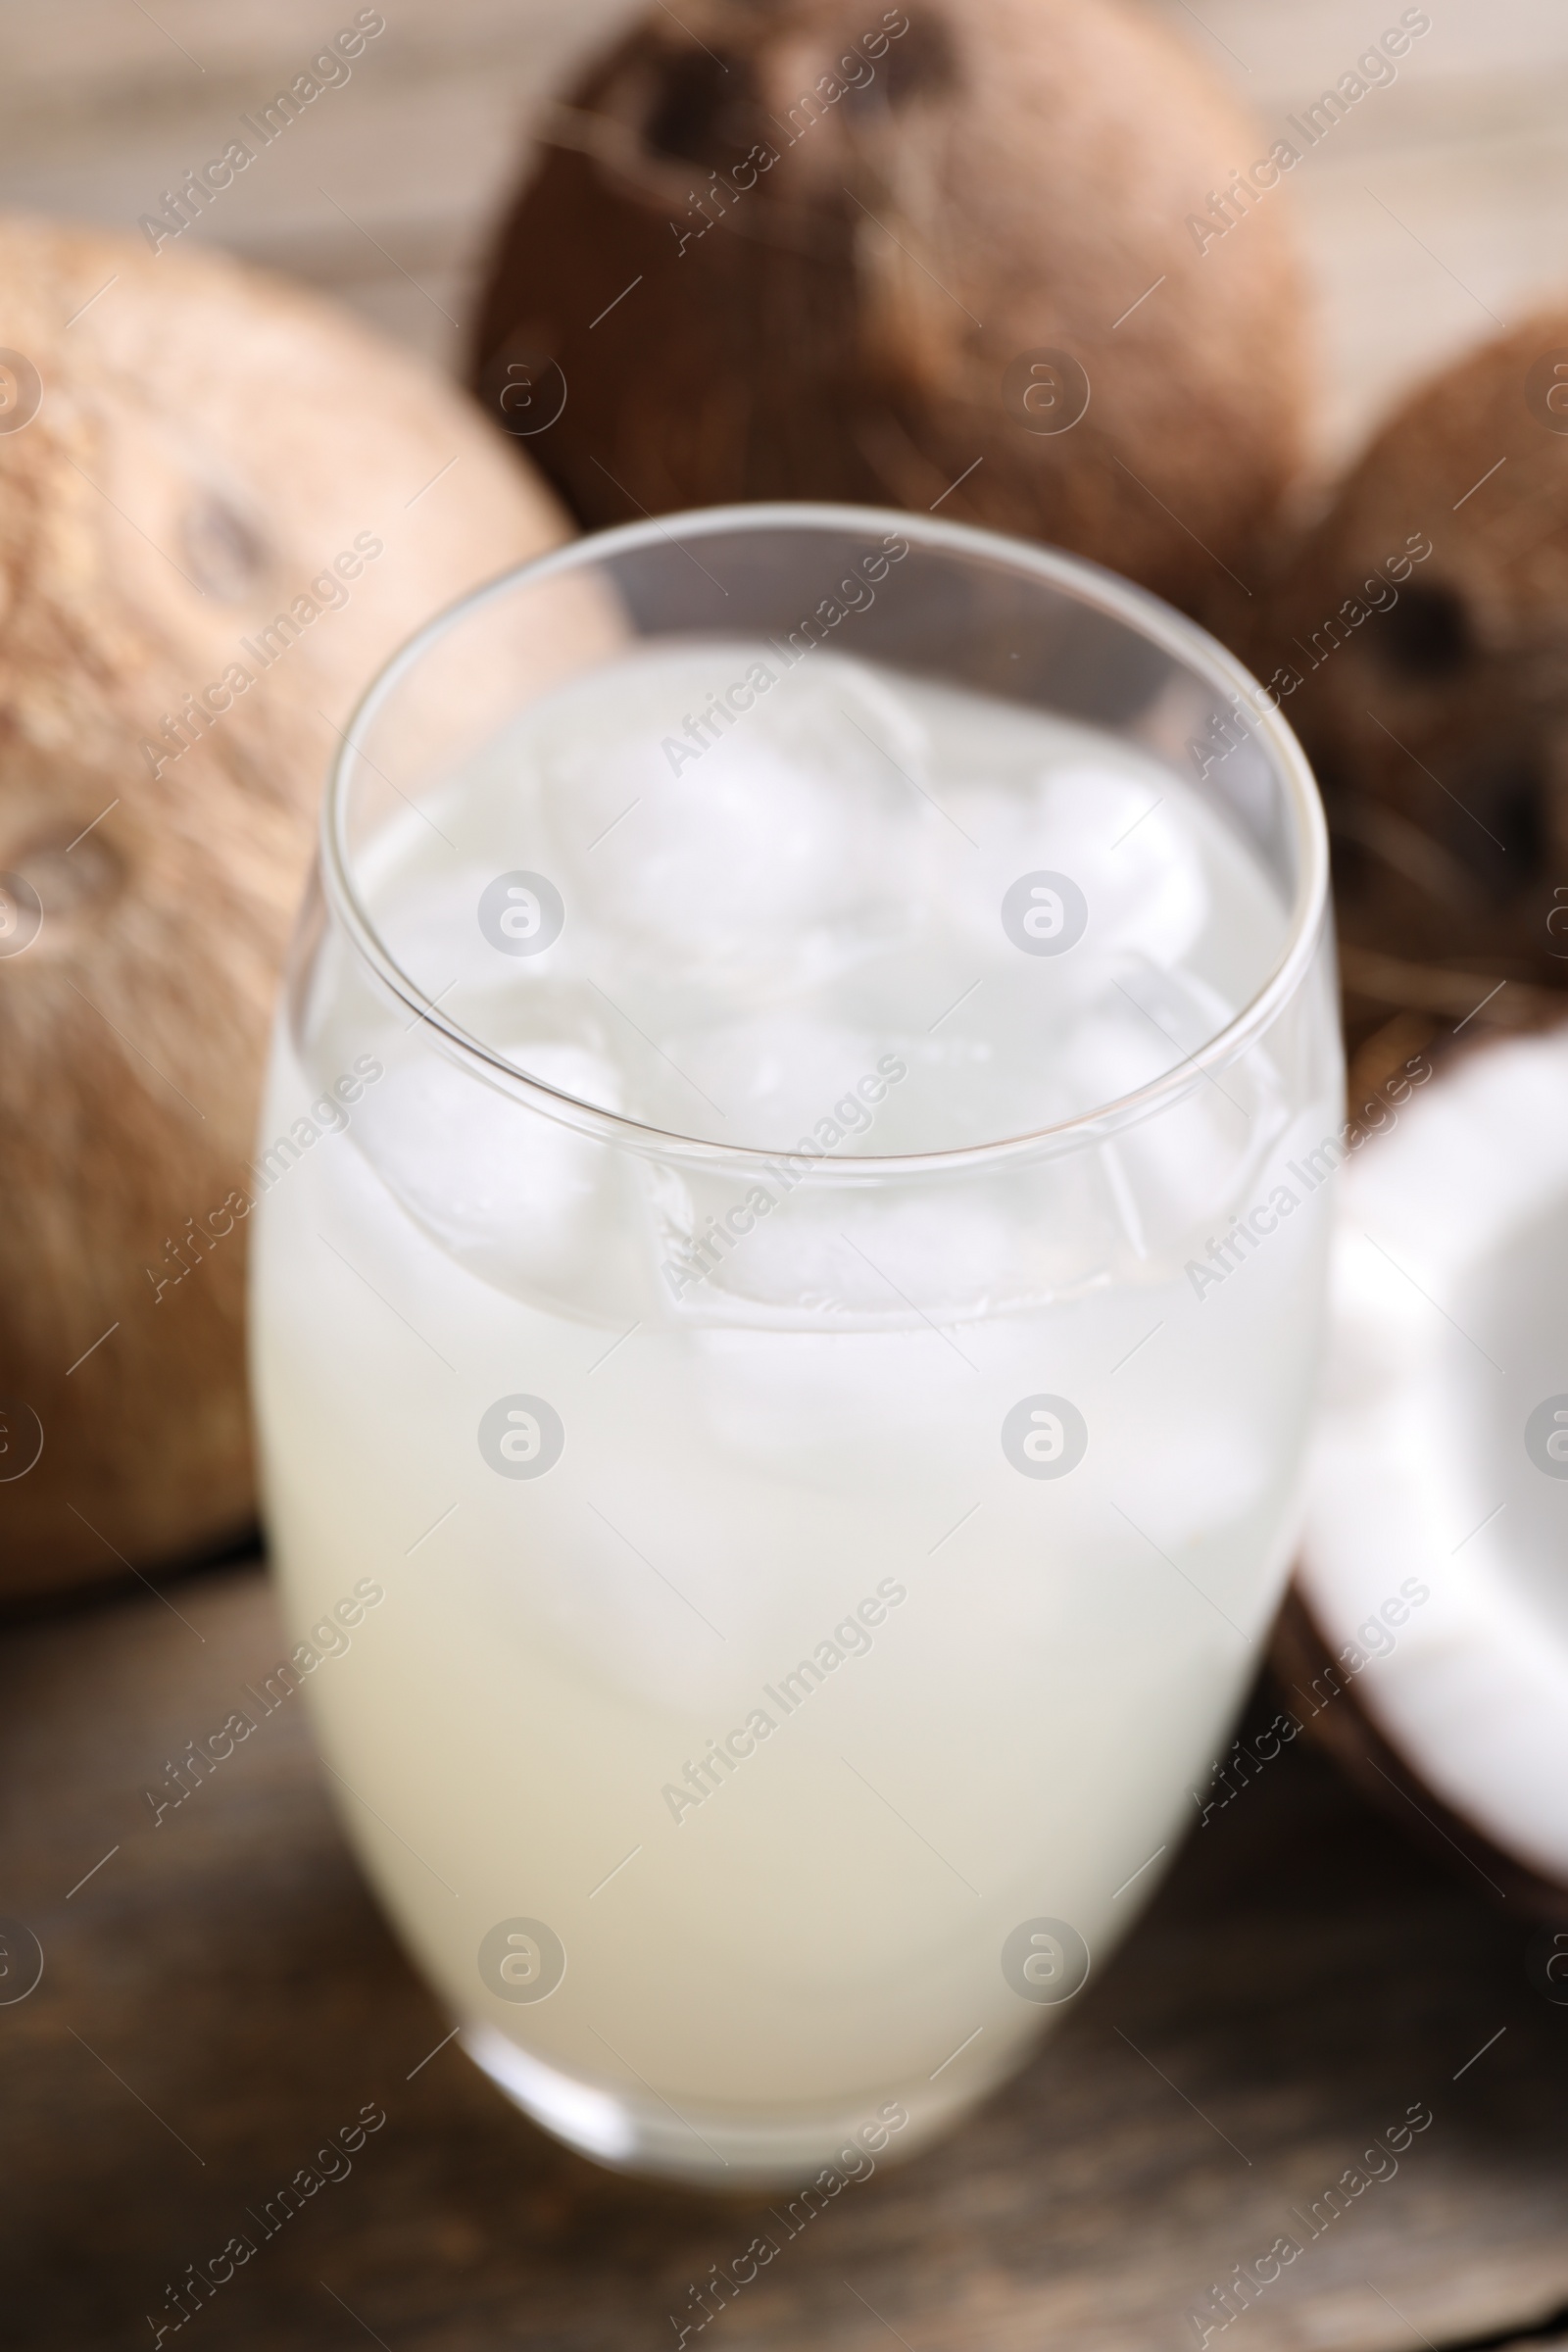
[{"x": 1450, "y": 1353}]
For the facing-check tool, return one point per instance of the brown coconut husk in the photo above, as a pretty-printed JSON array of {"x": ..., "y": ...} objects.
[
  {"x": 207, "y": 442},
  {"x": 996, "y": 179},
  {"x": 1439, "y": 725}
]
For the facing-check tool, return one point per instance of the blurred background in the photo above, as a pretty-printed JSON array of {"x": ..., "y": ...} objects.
[{"x": 1436, "y": 213}]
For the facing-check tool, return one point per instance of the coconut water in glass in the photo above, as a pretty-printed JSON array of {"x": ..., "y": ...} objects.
[{"x": 776, "y": 1257}]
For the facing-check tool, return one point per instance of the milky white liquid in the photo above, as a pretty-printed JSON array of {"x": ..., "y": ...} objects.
[{"x": 1011, "y": 1727}]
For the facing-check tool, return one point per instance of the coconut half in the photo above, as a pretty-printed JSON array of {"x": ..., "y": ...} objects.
[{"x": 1435, "y": 1560}]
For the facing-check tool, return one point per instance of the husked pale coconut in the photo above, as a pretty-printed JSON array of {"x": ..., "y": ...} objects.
[{"x": 223, "y": 506}]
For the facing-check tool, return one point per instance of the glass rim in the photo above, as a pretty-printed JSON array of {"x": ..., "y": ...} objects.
[{"x": 1094, "y": 584}]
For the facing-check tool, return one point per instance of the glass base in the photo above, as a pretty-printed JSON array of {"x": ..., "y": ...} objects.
[{"x": 707, "y": 2149}]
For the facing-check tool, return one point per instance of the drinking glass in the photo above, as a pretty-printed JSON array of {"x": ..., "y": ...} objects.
[{"x": 786, "y": 1302}]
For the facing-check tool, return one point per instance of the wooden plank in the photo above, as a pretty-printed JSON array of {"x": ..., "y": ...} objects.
[{"x": 219, "y": 1994}]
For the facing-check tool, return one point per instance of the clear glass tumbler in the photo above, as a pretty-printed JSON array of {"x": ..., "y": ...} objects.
[{"x": 787, "y": 1290}]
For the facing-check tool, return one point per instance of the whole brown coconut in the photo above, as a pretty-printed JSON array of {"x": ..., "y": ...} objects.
[
  {"x": 222, "y": 507},
  {"x": 1420, "y": 643},
  {"x": 823, "y": 250}
]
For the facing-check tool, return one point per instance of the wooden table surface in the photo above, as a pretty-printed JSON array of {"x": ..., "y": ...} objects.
[{"x": 219, "y": 1994}]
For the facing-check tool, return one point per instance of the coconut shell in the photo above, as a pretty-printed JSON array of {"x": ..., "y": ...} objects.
[
  {"x": 1317, "y": 1697},
  {"x": 721, "y": 282},
  {"x": 185, "y": 448},
  {"x": 1432, "y": 695}
]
